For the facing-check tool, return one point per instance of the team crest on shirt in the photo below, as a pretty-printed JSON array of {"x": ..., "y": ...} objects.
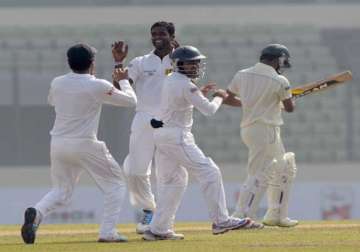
[
  {"x": 168, "y": 71},
  {"x": 150, "y": 72}
]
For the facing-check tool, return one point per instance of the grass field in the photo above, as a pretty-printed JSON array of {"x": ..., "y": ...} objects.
[{"x": 308, "y": 236}]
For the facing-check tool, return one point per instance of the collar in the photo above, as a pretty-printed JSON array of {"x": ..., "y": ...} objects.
[
  {"x": 266, "y": 69},
  {"x": 76, "y": 75},
  {"x": 152, "y": 53}
]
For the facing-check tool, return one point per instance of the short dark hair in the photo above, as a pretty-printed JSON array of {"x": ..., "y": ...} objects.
[
  {"x": 80, "y": 56},
  {"x": 169, "y": 26}
]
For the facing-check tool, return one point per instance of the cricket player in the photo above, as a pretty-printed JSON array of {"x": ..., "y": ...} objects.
[
  {"x": 147, "y": 74},
  {"x": 262, "y": 92},
  {"x": 177, "y": 152},
  {"x": 77, "y": 98}
]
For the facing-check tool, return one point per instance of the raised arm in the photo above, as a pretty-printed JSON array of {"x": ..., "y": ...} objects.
[{"x": 109, "y": 94}]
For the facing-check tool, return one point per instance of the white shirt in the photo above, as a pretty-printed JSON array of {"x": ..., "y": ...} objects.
[
  {"x": 179, "y": 97},
  {"x": 261, "y": 91},
  {"x": 148, "y": 73},
  {"x": 78, "y": 99}
]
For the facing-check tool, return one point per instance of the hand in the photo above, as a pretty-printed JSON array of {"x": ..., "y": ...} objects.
[
  {"x": 119, "y": 51},
  {"x": 221, "y": 93},
  {"x": 174, "y": 44},
  {"x": 207, "y": 88},
  {"x": 120, "y": 74}
]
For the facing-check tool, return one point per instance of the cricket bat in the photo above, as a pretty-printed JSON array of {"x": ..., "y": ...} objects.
[{"x": 316, "y": 86}]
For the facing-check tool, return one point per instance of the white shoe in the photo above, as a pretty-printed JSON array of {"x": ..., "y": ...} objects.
[
  {"x": 231, "y": 224},
  {"x": 144, "y": 224},
  {"x": 150, "y": 236},
  {"x": 287, "y": 222},
  {"x": 113, "y": 238},
  {"x": 253, "y": 225},
  {"x": 142, "y": 228}
]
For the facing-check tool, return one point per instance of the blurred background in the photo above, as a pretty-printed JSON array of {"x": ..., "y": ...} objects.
[{"x": 324, "y": 132}]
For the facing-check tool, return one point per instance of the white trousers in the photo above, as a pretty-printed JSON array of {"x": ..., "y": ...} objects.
[
  {"x": 69, "y": 157},
  {"x": 264, "y": 144},
  {"x": 138, "y": 163},
  {"x": 266, "y": 152},
  {"x": 176, "y": 152}
]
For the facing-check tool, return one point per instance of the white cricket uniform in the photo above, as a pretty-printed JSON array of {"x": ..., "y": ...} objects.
[
  {"x": 148, "y": 73},
  {"x": 77, "y": 99},
  {"x": 177, "y": 152},
  {"x": 261, "y": 91}
]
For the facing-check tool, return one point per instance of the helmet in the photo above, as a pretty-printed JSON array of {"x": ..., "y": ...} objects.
[
  {"x": 279, "y": 51},
  {"x": 187, "y": 61}
]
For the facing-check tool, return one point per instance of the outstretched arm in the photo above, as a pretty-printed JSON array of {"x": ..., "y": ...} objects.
[
  {"x": 123, "y": 96},
  {"x": 231, "y": 100},
  {"x": 195, "y": 96}
]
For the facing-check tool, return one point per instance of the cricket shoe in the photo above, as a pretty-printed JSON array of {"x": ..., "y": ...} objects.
[
  {"x": 231, "y": 224},
  {"x": 253, "y": 225},
  {"x": 116, "y": 237},
  {"x": 143, "y": 225},
  {"x": 28, "y": 229},
  {"x": 150, "y": 236},
  {"x": 286, "y": 222}
]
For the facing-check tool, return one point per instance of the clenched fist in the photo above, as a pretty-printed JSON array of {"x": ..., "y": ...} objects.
[{"x": 120, "y": 74}]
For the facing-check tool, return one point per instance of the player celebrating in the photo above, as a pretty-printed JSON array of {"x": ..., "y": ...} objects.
[
  {"x": 77, "y": 98},
  {"x": 147, "y": 73},
  {"x": 262, "y": 92},
  {"x": 176, "y": 150}
]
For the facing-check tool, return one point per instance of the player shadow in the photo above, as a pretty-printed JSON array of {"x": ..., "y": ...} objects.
[
  {"x": 69, "y": 242},
  {"x": 52, "y": 242}
]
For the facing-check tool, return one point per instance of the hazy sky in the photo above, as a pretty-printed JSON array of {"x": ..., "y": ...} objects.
[{"x": 318, "y": 15}]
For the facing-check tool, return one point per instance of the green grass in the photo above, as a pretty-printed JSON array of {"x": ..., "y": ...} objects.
[{"x": 308, "y": 236}]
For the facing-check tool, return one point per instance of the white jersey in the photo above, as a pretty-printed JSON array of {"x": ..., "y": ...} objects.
[
  {"x": 261, "y": 91},
  {"x": 78, "y": 98},
  {"x": 179, "y": 97},
  {"x": 148, "y": 73}
]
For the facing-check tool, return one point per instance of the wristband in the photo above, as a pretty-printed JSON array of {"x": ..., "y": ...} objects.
[{"x": 118, "y": 64}]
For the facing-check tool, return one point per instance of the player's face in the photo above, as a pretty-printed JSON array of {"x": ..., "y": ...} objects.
[
  {"x": 160, "y": 38},
  {"x": 283, "y": 63},
  {"x": 192, "y": 68}
]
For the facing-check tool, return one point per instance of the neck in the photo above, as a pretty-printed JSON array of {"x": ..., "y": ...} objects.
[
  {"x": 162, "y": 53},
  {"x": 82, "y": 72},
  {"x": 269, "y": 63}
]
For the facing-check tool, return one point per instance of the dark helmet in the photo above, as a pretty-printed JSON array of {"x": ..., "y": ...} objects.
[
  {"x": 187, "y": 54},
  {"x": 275, "y": 50},
  {"x": 278, "y": 51}
]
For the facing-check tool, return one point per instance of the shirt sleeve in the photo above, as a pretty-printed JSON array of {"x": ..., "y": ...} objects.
[
  {"x": 134, "y": 70},
  {"x": 284, "y": 91},
  {"x": 234, "y": 85},
  {"x": 193, "y": 95},
  {"x": 108, "y": 94}
]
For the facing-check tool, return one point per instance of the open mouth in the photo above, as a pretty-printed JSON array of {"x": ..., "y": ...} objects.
[{"x": 158, "y": 42}]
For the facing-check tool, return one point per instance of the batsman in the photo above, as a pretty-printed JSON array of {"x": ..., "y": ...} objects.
[{"x": 263, "y": 92}]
